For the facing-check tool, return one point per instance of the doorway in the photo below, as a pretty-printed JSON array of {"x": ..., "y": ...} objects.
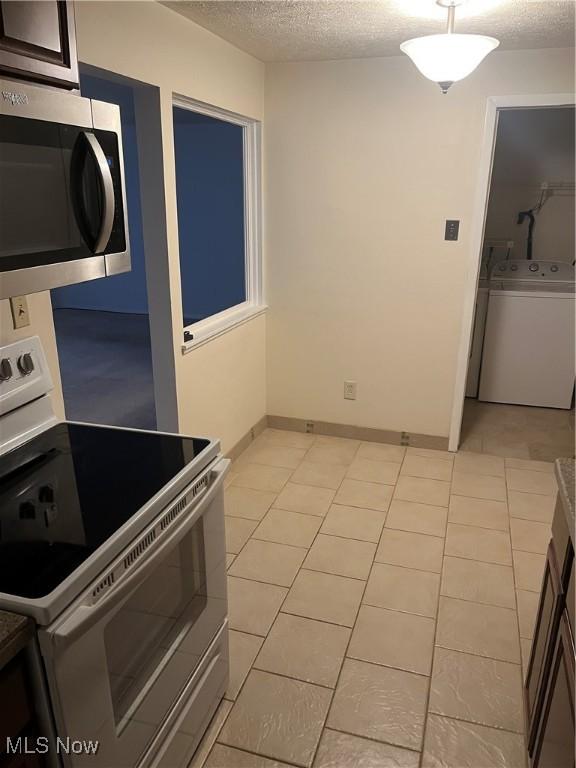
[
  {"x": 519, "y": 370},
  {"x": 102, "y": 326}
]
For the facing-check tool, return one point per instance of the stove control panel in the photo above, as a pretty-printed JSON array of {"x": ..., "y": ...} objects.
[
  {"x": 24, "y": 374},
  {"x": 543, "y": 271}
]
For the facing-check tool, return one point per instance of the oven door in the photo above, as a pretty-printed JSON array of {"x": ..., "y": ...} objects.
[
  {"x": 118, "y": 668},
  {"x": 61, "y": 190}
]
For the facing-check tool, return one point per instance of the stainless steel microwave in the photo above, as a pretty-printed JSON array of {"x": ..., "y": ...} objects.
[{"x": 62, "y": 195}]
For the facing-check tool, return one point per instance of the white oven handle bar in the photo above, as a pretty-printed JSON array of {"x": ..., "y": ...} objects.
[{"x": 85, "y": 616}]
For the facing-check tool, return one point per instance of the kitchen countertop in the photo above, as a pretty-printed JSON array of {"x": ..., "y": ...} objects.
[
  {"x": 15, "y": 631},
  {"x": 565, "y": 475}
]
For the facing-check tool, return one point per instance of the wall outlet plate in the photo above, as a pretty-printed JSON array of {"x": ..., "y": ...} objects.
[
  {"x": 452, "y": 229},
  {"x": 19, "y": 308},
  {"x": 309, "y": 426},
  {"x": 350, "y": 389}
]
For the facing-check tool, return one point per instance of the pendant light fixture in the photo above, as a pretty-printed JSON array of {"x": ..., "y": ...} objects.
[{"x": 449, "y": 57}]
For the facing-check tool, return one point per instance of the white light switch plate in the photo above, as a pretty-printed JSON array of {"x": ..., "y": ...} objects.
[{"x": 19, "y": 307}]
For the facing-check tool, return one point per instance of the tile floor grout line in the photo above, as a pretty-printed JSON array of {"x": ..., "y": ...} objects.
[
  {"x": 478, "y": 655},
  {"x": 401, "y": 565},
  {"x": 476, "y": 560},
  {"x": 281, "y": 763},
  {"x": 370, "y": 738},
  {"x": 267, "y": 541},
  {"x": 265, "y": 756},
  {"x": 429, "y": 693},
  {"x": 525, "y": 732},
  {"x": 478, "y": 722},
  {"x": 309, "y": 618},
  {"x": 480, "y": 527},
  {"x": 289, "y": 677},
  {"x": 390, "y": 666},
  {"x": 346, "y": 538}
]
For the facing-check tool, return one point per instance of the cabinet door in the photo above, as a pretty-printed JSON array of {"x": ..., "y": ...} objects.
[
  {"x": 15, "y": 709},
  {"x": 549, "y": 611},
  {"x": 38, "y": 41},
  {"x": 555, "y": 742}
]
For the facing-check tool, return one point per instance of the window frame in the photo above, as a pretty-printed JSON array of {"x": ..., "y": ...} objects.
[{"x": 221, "y": 322}]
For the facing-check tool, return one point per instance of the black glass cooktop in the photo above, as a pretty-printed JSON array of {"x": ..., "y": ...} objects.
[{"x": 65, "y": 492}]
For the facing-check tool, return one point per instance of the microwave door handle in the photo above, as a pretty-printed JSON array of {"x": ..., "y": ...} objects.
[
  {"x": 86, "y": 616},
  {"x": 108, "y": 188}
]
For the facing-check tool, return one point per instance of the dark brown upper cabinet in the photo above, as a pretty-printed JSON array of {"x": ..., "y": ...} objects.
[{"x": 38, "y": 41}]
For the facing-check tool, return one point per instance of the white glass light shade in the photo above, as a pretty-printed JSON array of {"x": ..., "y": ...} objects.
[{"x": 449, "y": 57}]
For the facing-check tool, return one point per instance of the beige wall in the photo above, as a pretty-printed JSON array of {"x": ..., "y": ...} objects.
[
  {"x": 365, "y": 160},
  {"x": 220, "y": 386},
  {"x": 231, "y": 399}
]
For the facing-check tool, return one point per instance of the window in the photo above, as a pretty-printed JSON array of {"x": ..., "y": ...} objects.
[{"x": 217, "y": 186}]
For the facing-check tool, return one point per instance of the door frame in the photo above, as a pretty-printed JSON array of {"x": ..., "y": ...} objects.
[{"x": 494, "y": 105}]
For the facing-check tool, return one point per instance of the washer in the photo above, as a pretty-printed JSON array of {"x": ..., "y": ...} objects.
[{"x": 528, "y": 355}]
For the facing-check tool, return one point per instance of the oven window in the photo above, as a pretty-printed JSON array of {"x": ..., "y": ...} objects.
[{"x": 149, "y": 654}]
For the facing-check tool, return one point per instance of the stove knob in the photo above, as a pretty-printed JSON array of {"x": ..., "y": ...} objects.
[
  {"x": 25, "y": 364},
  {"x": 27, "y": 511},
  {"x": 502, "y": 267},
  {"x": 533, "y": 267},
  {"x": 5, "y": 369},
  {"x": 554, "y": 268},
  {"x": 514, "y": 267},
  {"x": 46, "y": 494}
]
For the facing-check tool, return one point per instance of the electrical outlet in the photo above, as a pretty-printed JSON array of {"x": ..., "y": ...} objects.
[
  {"x": 349, "y": 390},
  {"x": 19, "y": 307},
  {"x": 309, "y": 426}
]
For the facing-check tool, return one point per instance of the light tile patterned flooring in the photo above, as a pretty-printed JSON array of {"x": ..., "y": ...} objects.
[
  {"x": 382, "y": 602},
  {"x": 517, "y": 431}
]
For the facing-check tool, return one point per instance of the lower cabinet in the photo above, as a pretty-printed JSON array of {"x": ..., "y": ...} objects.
[
  {"x": 554, "y": 746},
  {"x": 548, "y": 618},
  {"x": 549, "y": 685},
  {"x": 18, "y": 722}
]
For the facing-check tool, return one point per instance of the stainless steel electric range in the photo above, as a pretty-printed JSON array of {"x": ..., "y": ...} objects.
[{"x": 112, "y": 539}]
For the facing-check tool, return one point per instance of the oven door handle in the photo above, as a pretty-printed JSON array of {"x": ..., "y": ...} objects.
[
  {"x": 86, "y": 616},
  {"x": 108, "y": 190}
]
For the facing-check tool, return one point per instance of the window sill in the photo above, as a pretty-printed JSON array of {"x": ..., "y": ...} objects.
[{"x": 211, "y": 329}]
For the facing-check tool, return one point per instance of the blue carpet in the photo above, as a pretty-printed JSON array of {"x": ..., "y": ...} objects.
[{"x": 106, "y": 367}]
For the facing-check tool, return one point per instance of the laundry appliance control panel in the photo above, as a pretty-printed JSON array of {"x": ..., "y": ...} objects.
[{"x": 522, "y": 269}]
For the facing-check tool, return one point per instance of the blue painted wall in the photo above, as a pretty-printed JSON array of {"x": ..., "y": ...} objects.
[
  {"x": 126, "y": 292},
  {"x": 210, "y": 186}
]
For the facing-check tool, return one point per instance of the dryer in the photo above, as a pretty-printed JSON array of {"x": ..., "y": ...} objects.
[{"x": 528, "y": 354}]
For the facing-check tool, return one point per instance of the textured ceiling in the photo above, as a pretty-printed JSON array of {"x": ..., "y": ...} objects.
[{"x": 310, "y": 30}]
